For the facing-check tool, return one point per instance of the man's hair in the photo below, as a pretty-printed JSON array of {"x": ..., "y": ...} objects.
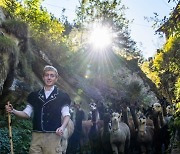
[{"x": 50, "y": 68}]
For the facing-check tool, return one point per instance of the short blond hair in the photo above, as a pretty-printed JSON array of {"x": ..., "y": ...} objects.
[{"x": 50, "y": 68}]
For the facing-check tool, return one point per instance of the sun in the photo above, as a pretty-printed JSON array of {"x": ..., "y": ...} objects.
[{"x": 100, "y": 37}]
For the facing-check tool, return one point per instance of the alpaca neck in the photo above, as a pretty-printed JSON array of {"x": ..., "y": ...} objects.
[
  {"x": 95, "y": 116},
  {"x": 142, "y": 127},
  {"x": 115, "y": 126},
  {"x": 106, "y": 126}
]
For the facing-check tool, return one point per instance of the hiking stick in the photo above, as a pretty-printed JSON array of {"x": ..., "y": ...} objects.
[{"x": 10, "y": 131}]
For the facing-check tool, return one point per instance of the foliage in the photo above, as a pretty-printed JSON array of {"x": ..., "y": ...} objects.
[
  {"x": 110, "y": 14},
  {"x": 177, "y": 118},
  {"x": 84, "y": 60},
  {"x": 41, "y": 23},
  {"x": 150, "y": 73},
  {"x": 177, "y": 89},
  {"x": 18, "y": 28},
  {"x": 44, "y": 29},
  {"x": 175, "y": 122},
  {"x": 167, "y": 25},
  {"x": 6, "y": 45},
  {"x": 2, "y": 3},
  {"x": 21, "y": 136},
  {"x": 133, "y": 92},
  {"x": 165, "y": 67},
  {"x": 167, "y": 64}
]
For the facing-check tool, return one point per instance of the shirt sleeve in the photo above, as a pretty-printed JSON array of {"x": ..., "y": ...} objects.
[
  {"x": 28, "y": 110},
  {"x": 65, "y": 111}
]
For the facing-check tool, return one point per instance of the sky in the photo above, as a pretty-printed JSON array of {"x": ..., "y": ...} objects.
[{"x": 141, "y": 30}]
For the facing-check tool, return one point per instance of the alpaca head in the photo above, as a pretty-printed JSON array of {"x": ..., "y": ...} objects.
[
  {"x": 116, "y": 118},
  {"x": 71, "y": 109},
  {"x": 157, "y": 107},
  {"x": 142, "y": 120},
  {"x": 92, "y": 106},
  {"x": 169, "y": 110}
]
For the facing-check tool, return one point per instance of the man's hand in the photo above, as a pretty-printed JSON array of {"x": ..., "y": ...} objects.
[
  {"x": 9, "y": 108},
  {"x": 60, "y": 131}
]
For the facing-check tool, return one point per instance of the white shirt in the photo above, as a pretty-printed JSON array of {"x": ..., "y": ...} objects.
[{"x": 64, "y": 111}]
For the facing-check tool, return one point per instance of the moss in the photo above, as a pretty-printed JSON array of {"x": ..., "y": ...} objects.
[
  {"x": 7, "y": 45},
  {"x": 18, "y": 28}
]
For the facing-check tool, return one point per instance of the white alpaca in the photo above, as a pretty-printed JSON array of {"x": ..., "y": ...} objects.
[
  {"x": 64, "y": 141},
  {"x": 66, "y": 134},
  {"x": 119, "y": 135}
]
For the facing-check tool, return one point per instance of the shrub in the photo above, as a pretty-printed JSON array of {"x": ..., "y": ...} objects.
[{"x": 21, "y": 135}]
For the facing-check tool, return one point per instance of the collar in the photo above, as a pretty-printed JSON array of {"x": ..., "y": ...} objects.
[
  {"x": 49, "y": 91},
  {"x": 52, "y": 95}
]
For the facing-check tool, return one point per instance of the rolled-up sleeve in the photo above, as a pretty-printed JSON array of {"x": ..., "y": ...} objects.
[
  {"x": 65, "y": 111},
  {"x": 28, "y": 110}
]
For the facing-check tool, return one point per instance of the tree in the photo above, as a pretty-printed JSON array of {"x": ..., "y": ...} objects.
[
  {"x": 111, "y": 14},
  {"x": 41, "y": 23},
  {"x": 166, "y": 64}
]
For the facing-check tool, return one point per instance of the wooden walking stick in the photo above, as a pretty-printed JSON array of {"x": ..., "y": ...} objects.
[{"x": 10, "y": 131}]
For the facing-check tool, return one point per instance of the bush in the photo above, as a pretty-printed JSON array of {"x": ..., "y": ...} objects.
[{"x": 21, "y": 135}]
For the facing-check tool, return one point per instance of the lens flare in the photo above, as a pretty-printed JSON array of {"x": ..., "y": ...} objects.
[{"x": 100, "y": 37}]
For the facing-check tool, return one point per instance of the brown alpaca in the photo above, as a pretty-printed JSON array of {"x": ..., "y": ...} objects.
[
  {"x": 145, "y": 136},
  {"x": 90, "y": 128},
  {"x": 162, "y": 134}
]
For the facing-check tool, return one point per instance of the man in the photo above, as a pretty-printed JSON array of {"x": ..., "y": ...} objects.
[{"x": 50, "y": 108}]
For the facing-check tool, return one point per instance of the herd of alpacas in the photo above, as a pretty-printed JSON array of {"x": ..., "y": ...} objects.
[{"x": 122, "y": 130}]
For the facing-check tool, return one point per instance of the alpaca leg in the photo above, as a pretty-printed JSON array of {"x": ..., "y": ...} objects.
[
  {"x": 64, "y": 144},
  {"x": 127, "y": 147},
  {"x": 143, "y": 149},
  {"x": 121, "y": 149},
  {"x": 149, "y": 149},
  {"x": 114, "y": 149}
]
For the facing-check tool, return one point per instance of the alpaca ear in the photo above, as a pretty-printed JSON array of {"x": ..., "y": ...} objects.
[
  {"x": 73, "y": 103},
  {"x": 120, "y": 114}
]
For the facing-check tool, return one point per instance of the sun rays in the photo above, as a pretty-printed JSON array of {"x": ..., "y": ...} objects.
[
  {"x": 98, "y": 58},
  {"x": 100, "y": 37}
]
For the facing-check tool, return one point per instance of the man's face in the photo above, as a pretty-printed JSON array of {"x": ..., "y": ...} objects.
[{"x": 49, "y": 78}]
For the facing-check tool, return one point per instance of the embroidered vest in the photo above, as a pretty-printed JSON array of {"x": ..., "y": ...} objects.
[{"x": 47, "y": 112}]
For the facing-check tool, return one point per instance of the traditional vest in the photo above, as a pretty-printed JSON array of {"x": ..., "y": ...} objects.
[{"x": 47, "y": 112}]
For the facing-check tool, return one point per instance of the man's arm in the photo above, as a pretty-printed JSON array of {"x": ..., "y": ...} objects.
[
  {"x": 60, "y": 130},
  {"x": 65, "y": 120},
  {"x": 21, "y": 114}
]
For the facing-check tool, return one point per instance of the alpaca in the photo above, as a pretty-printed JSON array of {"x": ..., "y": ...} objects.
[
  {"x": 145, "y": 136},
  {"x": 119, "y": 135},
  {"x": 105, "y": 135},
  {"x": 162, "y": 134},
  {"x": 66, "y": 135},
  {"x": 74, "y": 144},
  {"x": 90, "y": 128},
  {"x": 94, "y": 133}
]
